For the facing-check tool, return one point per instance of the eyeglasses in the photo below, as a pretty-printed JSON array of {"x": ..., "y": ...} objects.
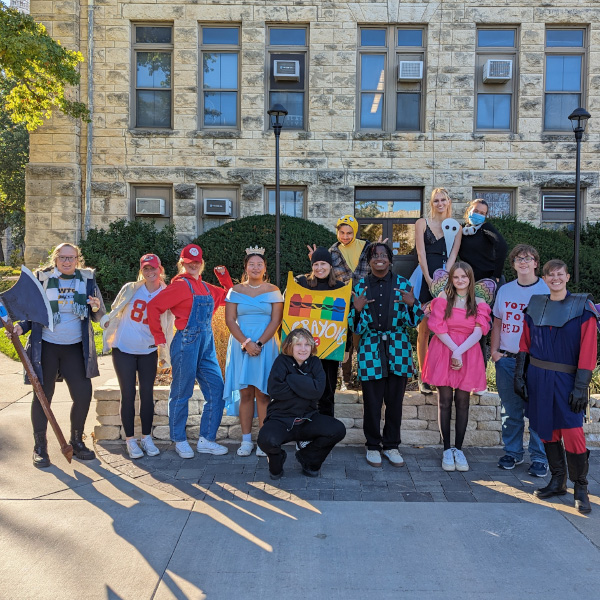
[
  {"x": 67, "y": 258},
  {"x": 380, "y": 255},
  {"x": 523, "y": 259}
]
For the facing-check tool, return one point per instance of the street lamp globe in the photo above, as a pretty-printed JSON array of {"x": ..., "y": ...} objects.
[
  {"x": 276, "y": 112},
  {"x": 579, "y": 118}
]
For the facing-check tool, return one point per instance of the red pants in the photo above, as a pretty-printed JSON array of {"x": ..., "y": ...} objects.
[{"x": 573, "y": 439}]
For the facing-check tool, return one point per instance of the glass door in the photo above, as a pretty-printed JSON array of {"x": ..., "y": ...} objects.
[{"x": 391, "y": 213}]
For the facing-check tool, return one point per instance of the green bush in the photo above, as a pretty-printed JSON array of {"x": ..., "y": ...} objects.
[
  {"x": 556, "y": 244},
  {"x": 115, "y": 253},
  {"x": 225, "y": 245}
]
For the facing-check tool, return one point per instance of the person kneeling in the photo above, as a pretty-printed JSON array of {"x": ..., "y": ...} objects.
[{"x": 296, "y": 383}]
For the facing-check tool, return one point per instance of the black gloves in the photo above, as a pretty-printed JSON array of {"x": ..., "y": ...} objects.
[
  {"x": 520, "y": 382},
  {"x": 578, "y": 400}
]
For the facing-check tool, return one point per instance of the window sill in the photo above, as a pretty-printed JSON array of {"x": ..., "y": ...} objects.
[
  {"x": 217, "y": 134},
  {"x": 141, "y": 132}
]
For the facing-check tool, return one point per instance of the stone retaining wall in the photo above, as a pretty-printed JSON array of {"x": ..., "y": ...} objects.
[{"x": 419, "y": 422}]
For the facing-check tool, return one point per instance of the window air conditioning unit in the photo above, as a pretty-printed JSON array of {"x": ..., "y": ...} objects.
[
  {"x": 150, "y": 206},
  {"x": 217, "y": 207},
  {"x": 497, "y": 71},
  {"x": 286, "y": 70},
  {"x": 410, "y": 70}
]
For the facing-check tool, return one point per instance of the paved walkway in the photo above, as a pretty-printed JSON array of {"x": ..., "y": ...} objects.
[{"x": 219, "y": 528}]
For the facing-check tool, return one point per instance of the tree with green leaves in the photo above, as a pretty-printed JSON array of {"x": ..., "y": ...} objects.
[
  {"x": 14, "y": 155},
  {"x": 35, "y": 70}
]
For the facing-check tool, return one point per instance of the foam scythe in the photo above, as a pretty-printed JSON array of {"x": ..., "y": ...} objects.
[{"x": 27, "y": 301}]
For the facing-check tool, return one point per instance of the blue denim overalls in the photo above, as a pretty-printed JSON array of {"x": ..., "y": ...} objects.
[{"x": 193, "y": 357}]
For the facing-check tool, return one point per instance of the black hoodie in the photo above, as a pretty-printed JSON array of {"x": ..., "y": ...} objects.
[{"x": 294, "y": 390}]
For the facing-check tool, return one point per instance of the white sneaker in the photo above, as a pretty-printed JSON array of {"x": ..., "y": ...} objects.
[
  {"x": 259, "y": 451},
  {"x": 374, "y": 458},
  {"x": 460, "y": 460},
  {"x": 301, "y": 445},
  {"x": 481, "y": 393},
  {"x": 184, "y": 450},
  {"x": 148, "y": 446},
  {"x": 133, "y": 449},
  {"x": 206, "y": 447},
  {"x": 394, "y": 457},
  {"x": 245, "y": 449},
  {"x": 448, "y": 460}
]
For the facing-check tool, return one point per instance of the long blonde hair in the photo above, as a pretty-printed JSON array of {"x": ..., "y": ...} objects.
[
  {"x": 51, "y": 262},
  {"x": 181, "y": 268},
  {"x": 443, "y": 191},
  {"x": 451, "y": 294}
]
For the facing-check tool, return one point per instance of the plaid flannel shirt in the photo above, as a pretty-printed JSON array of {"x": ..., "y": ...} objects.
[
  {"x": 399, "y": 349},
  {"x": 342, "y": 271}
]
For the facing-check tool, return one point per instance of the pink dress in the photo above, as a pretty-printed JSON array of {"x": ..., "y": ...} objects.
[{"x": 436, "y": 370}]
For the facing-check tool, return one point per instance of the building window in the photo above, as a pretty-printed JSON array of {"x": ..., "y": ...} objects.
[
  {"x": 500, "y": 202},
  {"x": 292, "y": 201},
  {"x": 391, "y": 78},
  {"x": 495, "y": 77},
  {"x": 216, "y": 206},
  {"x": 152, "y": 203},
  {"x": 219, "y": 59},
  {"x": 564, "y": 76},
  {"x": 287, "y": 50},
  {"x": 153, "y": 58},
  {"x": 558, "y": 206}
]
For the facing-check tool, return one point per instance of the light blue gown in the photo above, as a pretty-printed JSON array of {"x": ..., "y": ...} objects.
[{"x": 242, "y": 370}]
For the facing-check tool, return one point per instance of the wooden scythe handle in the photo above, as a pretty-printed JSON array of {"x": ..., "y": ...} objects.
[{"x": 65, "y": 448}]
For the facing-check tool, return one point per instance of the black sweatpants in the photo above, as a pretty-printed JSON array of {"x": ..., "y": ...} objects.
[
  {"x": 127, "y": 366},
  {"x": 325, "y": 403},
  {"x": 322, "y": 431},
  {"x": 390, "y": 390},
  {"x": 68, "y": 360}
]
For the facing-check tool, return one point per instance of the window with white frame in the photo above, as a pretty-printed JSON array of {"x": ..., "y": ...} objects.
[
  {"x": 564, "y": 76},
  {"x": 153, "y": 63},
  {"x": 391, "y": 65},
  {"x": 152, "y": 203},
  {"x": 219, "y": 76},
  {"x": 292, "y": 201},
  {"x": 558, "y": 206},
  {"x": 287, "y": 53},
  {"x": 495, "y": 79},
  {"x": 500, "y": 201}
]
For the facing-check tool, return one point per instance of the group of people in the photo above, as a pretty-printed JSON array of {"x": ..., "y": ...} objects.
[{"x": 543, "y": 344}]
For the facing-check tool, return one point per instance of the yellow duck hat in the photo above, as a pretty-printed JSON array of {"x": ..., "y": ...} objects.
[{"x": 348, "y": 220}]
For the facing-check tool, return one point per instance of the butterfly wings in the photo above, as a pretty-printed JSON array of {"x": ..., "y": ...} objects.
[{"x": 484, "y": 288}]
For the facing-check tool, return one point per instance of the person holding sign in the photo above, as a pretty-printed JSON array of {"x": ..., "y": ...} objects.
[
  {"x": 322, "y": 277},
  {"x": 253, "y": 313},
  {"x": 384, "y": 306}
]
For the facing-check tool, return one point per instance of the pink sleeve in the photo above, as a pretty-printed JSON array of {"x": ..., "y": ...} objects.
[
  {"x": 483, "y": 317},
  {"x": 436, "y": 322}
]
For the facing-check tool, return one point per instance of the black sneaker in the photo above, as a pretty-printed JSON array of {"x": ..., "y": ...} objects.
[
  {"x": 508, "y": 462},
  {"x": 305, "y": 469},
  {"x": 424, "y": 388},
  {"x": 538, "y": 469}
]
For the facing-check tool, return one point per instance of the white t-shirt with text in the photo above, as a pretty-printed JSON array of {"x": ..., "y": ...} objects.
[{"x": 511, "y": 301}]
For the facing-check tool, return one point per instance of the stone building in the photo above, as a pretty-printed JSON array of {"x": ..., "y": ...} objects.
[{"x": 386, "y": 100}]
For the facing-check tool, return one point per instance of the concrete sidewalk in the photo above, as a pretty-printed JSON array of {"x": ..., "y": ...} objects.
[{"x": 218, "y": 528}]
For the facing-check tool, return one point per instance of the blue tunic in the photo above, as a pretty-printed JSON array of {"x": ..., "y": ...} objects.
[
  {"x": 242, "y": 370},
  {"x": 548, "y": 407}
]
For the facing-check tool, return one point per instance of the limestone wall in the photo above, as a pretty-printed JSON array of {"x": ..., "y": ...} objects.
[
  {"x": 331, "y": 158},
  {"x": 419, "y": 418}
]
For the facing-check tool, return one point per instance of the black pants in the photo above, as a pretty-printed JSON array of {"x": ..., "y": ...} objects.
[
  {"x": 326, "y": 401},
  {"x": 68, "y": 360},
  {"x": 390, "y": 390},
  {"x": 322, "y": 431},
  {"x": 127, "y": 366}
]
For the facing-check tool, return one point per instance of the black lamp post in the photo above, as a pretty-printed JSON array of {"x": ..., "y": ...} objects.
[
  {"x": 277, "y": 113},
  {"x": 579, "y": 118}
]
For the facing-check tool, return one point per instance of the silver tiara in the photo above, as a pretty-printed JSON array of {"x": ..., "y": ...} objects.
[{"x": 255, "y": 250}]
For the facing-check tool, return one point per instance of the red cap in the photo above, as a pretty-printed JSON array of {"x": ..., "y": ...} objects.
[
  {"x": 191, "y": 253},
  {"x": 150, "y": 260}
]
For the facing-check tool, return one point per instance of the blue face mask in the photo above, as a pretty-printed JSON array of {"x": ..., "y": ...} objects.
[{"x": 476, "y": 219}]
